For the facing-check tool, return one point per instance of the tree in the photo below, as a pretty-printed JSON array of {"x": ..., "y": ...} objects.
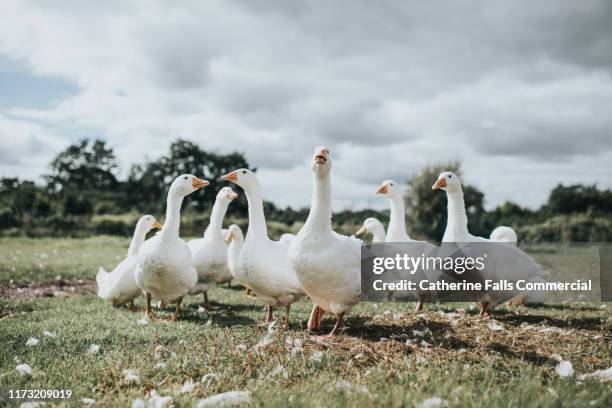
[
  {"x": 85, "y": 166},
  {"x": 426, "y": 208},
  {"x": 150, "y": 182}
]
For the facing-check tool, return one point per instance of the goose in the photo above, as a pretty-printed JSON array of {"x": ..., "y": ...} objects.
[
  {"x": 263, "y": 260},
  {"x": 503, "y": 234},
  {"x": 286, "y": 238},
  {"x": 327, "y": 264},
  {"x": 209, "y": 253},
  {"x": 119, "y": 286},
  {"x": 226, "y": 275},
  {"x": 234, "y": 238},
  {"x": 511, "y": 262},
  {"x": 164, "y": 269},
  {"x": 396, "y": 232},
  {"x": 373, "y": 226}
]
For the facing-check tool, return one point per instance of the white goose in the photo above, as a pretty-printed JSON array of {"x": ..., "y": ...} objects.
[
  {"x": 328, "y": 264},
  {"x": 209, "y": 254},
  {"x": 373, "y": 226},
  {"x": 286, "y": 238},
  {"x": 164, "y": 268},
  {"x": 513, "y": 263},
  {"x": 263, "y": 260},
  {"x": 503, "y": 234},
  {"x": 235, "y": 239},
  {"x": 396, "y": 232},
  {"x": 119, "y": 286}
]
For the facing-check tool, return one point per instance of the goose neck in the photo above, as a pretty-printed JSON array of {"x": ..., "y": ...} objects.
[
  {"x": 216, "y": 218},
  {"x": 172, "y": 222},
  {"x": 257, "y": 219},
  {"x": 457, "y": 217},
  {"x": 320, "y": 206},
  {"x": 137, "y": 240},
  {"x": 397, "y": 221}
]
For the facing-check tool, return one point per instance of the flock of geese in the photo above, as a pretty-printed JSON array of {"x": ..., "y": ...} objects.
[{"x": 317, "y": 262}]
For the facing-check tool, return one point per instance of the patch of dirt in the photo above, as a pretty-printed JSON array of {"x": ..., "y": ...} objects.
[{"x": 60, "y": 289}]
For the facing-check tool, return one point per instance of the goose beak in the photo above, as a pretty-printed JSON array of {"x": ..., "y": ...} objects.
[
  {"x": 233, "y": 176},
  {"x": 382, "y": 189},
  {"x": 229, "y": 237},
  {"x": 199, "y": 183},
  {"x": 232, "y": 196},
  {"x": 157, "y": 225},
  {"x": 361, "y": 231},
  {"x": 440, "y": 183},
  {"x": 321, "y": 157}
]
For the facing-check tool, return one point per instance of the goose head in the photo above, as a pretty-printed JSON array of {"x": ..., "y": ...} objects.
[
  {"x": 233, "y": 233},
  {"x": 369, "y": 226},
  {"x": 245, "y": 178},
  {"x": 147, "y": 223},
  {"x": 226, "y": 195},
  {"x": 186, "y": 184},
  {"x": 321, "y": 162},
  {"x": 389, "y": 188},
  {"x": 447, "y": 181}
]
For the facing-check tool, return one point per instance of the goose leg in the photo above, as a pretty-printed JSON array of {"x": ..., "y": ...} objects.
[
  {"x": 206, "y": 304},
  {"x": 483, "y": 310},
  {"x": 162, "y": 305},
  {"x": 314, "y": 320},
  {"x": 131, "y": 306},
  {"x": 332, "y": 333},
  {"x": 174, "y": 317},
  {"x": 270, "y": 314},
  {"x": 418, "y": 307},
  {"x": 287, "y": 309},
  {"x": 148, "y": 310}
]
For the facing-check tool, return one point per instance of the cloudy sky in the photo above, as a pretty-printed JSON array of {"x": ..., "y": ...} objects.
[{"x": 520, "y": 92}]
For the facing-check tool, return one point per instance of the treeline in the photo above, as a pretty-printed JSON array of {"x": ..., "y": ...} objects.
[{"x": 82, "y": 195}]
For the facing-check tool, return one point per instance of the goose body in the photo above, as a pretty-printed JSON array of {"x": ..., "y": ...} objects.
[
  {"x": 164, "y": 269},
  {"x": 209, "y": 253},
  {"x": 264, "y": 261},
  {"x": 327, "y": 264},
  {"x": 119, "y": 286}
]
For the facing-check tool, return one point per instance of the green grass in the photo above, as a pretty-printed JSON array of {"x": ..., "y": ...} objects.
[{"x": 467, "y": 363}]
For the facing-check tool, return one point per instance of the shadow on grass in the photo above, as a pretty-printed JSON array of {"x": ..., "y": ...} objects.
[
  {"x": 529, "y": 356},
  {"x": 579, "y": 323}
]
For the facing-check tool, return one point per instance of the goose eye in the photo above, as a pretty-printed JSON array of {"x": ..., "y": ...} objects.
[
  {"x": 243, "y": 171},
  {"x": 185, "y": 177},
  {"x": 449, "y": 176}
]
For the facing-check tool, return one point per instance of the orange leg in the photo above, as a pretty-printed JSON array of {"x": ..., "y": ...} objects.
[
  {"x": 418, "y": 307},
  {"x": 174, "y": 317},
  {"x": 336, "y": 326},
  {"x": 148, "y": 309},
  {"x": 270, "y": 314},
  {"x": 314, "y": 320}
]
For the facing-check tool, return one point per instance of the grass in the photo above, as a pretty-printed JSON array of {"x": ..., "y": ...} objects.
[{"x": 387, "y": 357}]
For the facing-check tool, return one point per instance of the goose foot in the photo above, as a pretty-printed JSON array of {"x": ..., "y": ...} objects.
[
  {"x": 314, "y": 319},
  {"x": 148, "y": 310},
  {"x": 206, "y": 305},
  {"x": 131, "y": 307},
  {"x": 483, "y": 310},
  {"x": 338, "y": 324},
  {"x": 174, "y": 317},
  {"x": 286, "y": 323},
  {"x": 270, "y": 314}
]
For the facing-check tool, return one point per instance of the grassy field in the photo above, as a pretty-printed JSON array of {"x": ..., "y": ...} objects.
[{"x": 387, "y": 357}]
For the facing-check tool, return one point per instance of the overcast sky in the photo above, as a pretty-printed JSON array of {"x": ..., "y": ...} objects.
[{"x": 520, "y": 92}]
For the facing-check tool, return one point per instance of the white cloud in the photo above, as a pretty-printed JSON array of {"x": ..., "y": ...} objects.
[{"x": 520, "y": 95}]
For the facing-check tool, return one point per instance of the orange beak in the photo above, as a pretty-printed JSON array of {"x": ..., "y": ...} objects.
[
  {"x": 232, "y": 196},
  {"x": 233, "y": 176},
  {"x": 157, "y": 225},
  {"x": 382, "y": 189},
  {"x": 362, "y": 230},
  {"x": 199, "y": 183},
  {"x": 229, "y": 237},
  {"x": 441, "y": 182}
]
